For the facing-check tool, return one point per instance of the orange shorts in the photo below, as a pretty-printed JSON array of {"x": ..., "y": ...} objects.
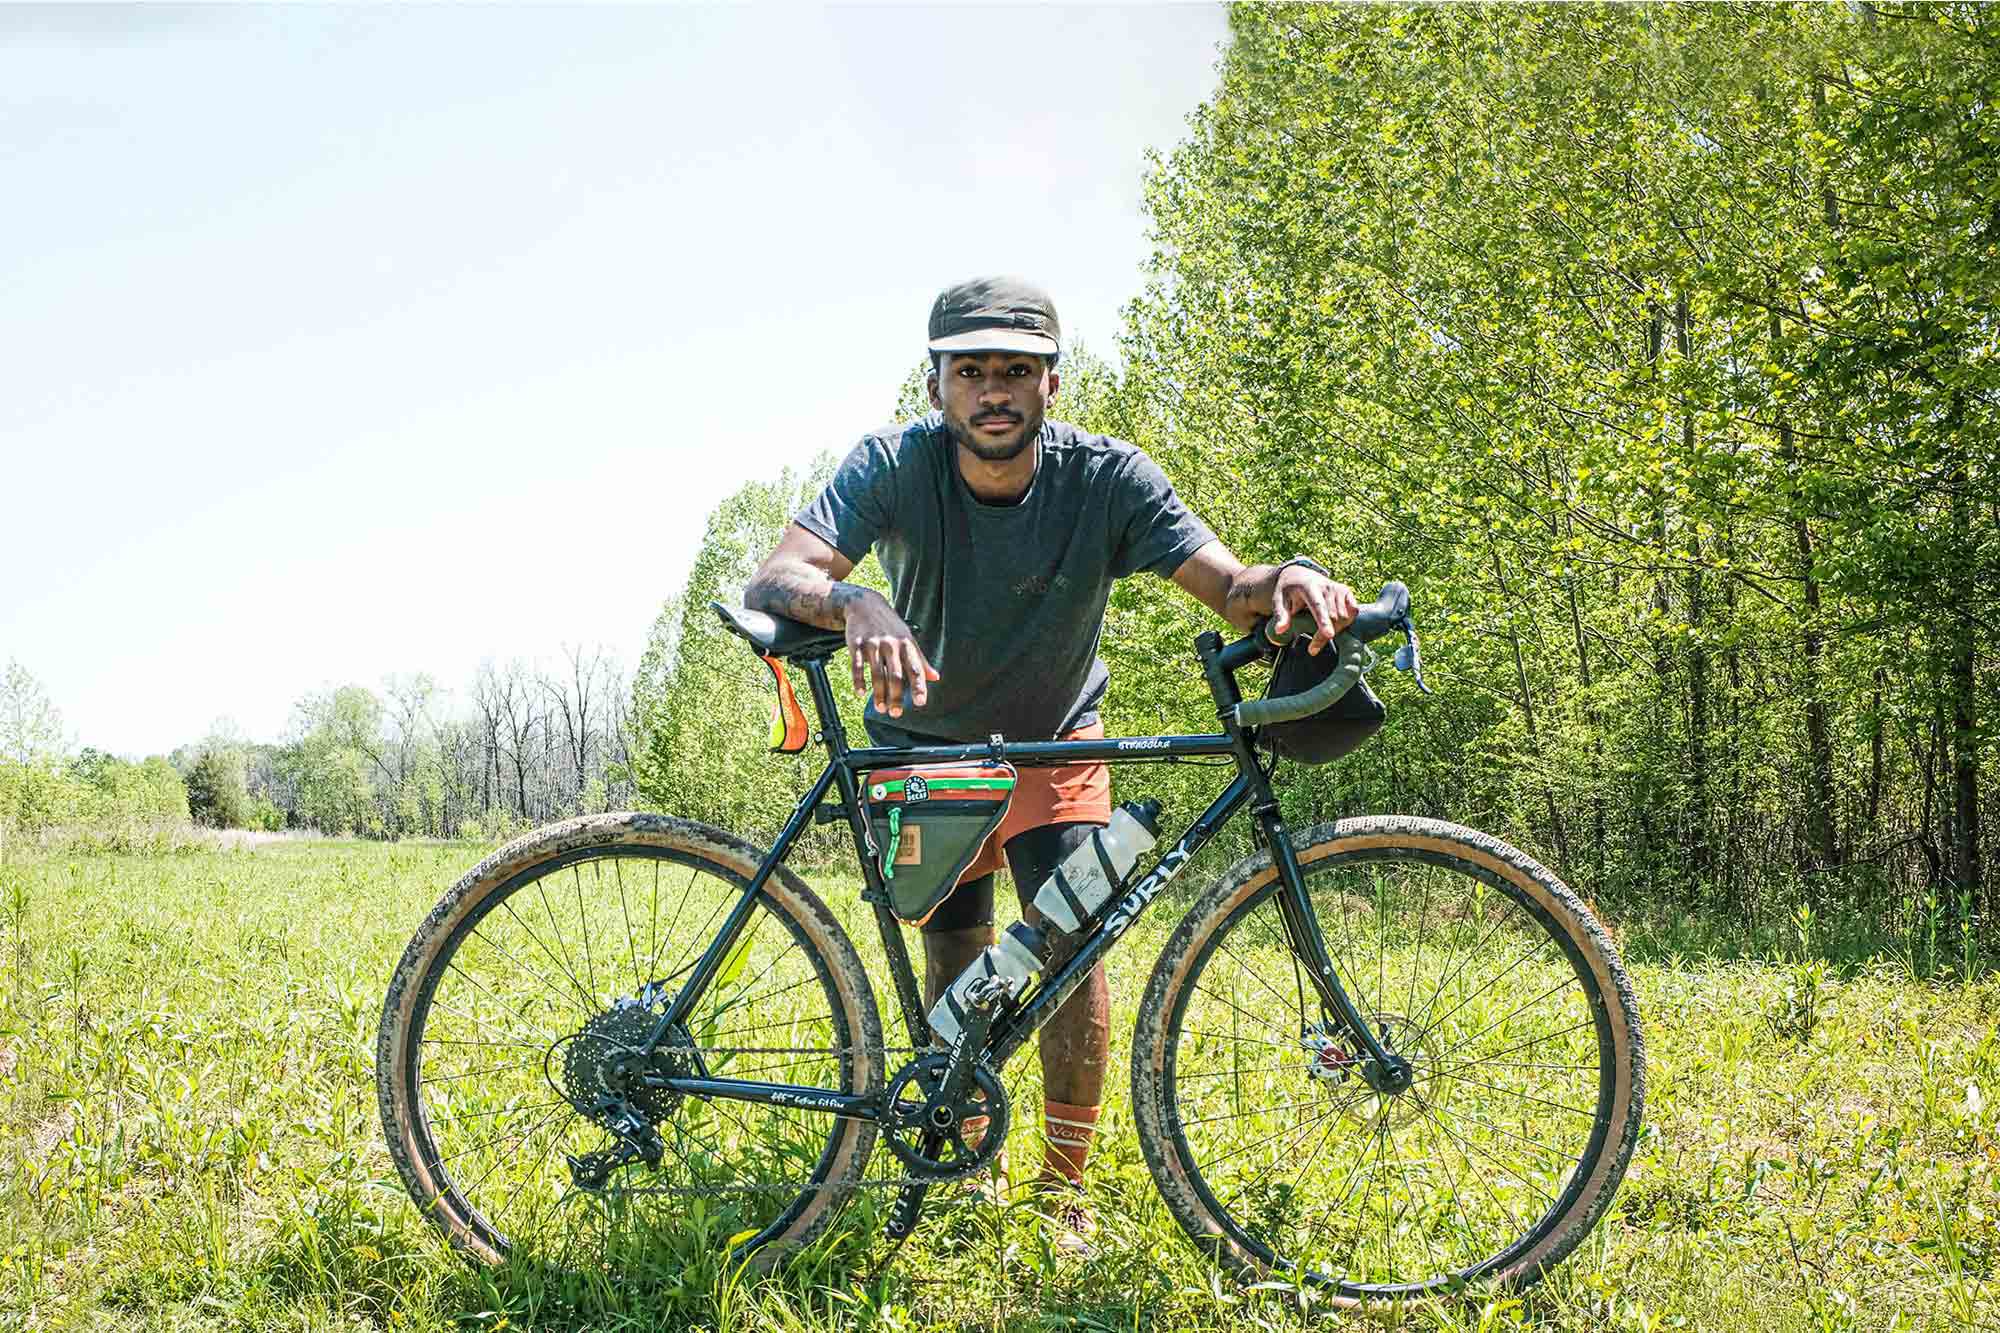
[{"x": 1073, "y": 793}]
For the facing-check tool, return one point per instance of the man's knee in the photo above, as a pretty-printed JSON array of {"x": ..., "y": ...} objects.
[{"x": 948, "y": 953}]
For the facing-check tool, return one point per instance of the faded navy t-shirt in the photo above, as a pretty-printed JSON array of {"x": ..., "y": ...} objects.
[{"x": 1007, "y": 601}]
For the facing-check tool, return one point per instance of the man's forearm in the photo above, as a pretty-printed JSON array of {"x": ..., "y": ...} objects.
[{"x": 800, "y": 592}]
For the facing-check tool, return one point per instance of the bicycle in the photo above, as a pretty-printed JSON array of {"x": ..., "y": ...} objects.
[{"x": 1386, "y": 1056}]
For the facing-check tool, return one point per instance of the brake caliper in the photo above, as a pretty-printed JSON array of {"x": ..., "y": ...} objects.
[{"x": 1331, "y": 1060}]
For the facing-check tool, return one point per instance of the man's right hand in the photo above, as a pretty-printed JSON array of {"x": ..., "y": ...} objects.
[
  {"x": 879, "y": 641},
  {"x": 802, "y": 580}
]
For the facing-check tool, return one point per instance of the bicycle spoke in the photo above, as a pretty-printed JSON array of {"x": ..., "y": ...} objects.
[
  {"x": 1515, "y": 1092},
  {"x": 583, "y": 919},
  {"x": 625, "y": 911},
  {"x": 569, "y": 968},
  {"x": 1563, "y": 984},
  {"x": 1218, "y": 1161},
  {"x": 582, "y": 994},
  {"x": 479, "y": 1073},
  {"x": 479, "y": 933},
  {"x": 1439, "y": 1022},
  {"x": 529, "y": 977}
]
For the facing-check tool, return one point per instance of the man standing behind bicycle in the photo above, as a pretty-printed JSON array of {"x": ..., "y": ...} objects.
[{"x": 1001, "y": 533}]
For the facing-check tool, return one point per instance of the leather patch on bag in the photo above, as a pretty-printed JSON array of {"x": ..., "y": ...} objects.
[{"x": 911, "y": 851}]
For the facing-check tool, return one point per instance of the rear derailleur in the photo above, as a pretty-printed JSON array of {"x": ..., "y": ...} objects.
[
  {"x": 608, "y": 1073},
  {"x": 637, "y": 1142}
]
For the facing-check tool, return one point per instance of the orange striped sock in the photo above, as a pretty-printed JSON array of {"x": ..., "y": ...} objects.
[{"x": 1067, "y": 1132}]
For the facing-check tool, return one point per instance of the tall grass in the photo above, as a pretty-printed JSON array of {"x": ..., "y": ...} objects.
[{"x": 188, "y": 1138}]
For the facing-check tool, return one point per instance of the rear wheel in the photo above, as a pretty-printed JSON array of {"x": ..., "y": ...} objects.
[
  {"x": 529, "y": 994},
  {"x": 1467, "y": 958}
]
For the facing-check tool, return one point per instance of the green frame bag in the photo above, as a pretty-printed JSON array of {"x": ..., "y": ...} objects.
[{"x": 929, "y": 822}]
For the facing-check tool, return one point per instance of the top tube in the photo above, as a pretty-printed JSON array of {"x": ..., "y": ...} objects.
[{"x": 1044, "y": 754}]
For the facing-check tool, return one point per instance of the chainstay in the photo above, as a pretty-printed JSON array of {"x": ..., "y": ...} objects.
[{"x": 775, "y": 1187}]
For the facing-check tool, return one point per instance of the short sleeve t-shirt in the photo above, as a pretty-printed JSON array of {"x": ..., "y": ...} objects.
[{"x": 1007, "y": 601}]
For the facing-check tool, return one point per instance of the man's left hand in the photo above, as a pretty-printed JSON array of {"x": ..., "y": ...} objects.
[{"x": 1332, "y": 605}]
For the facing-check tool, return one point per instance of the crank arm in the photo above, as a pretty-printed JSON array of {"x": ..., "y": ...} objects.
[
  {"x": 966, "y": 1054},
  {"x": 909, "y": 1204}
]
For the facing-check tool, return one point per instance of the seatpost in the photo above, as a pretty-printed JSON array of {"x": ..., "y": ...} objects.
[{"x": 831, "y": 728}]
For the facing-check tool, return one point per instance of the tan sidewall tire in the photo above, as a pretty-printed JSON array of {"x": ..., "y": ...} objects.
[
  {"x": 729, "y": 854},
  {"x": 1150, "y": 1096}
]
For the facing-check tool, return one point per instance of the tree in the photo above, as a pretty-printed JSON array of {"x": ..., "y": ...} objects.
[
  {"x": 216, "y": 792},
  {"x": 31, "y": 728},
  {"x": 1651, "y": 345}
]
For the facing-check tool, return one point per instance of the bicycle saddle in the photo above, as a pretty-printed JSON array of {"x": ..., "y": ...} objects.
[{"x": 777, "y": 636}]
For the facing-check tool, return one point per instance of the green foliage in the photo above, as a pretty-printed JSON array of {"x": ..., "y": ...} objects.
[
  {"x": 1647, "y": 345},
  {"x": 333, "y": 754},
  {"x": 30, "y": 724},
  {"x": 187, "y": 1074},
  {"x": 701, "y": 700},
  {"x": 217, "y": 792},
  {"x": 92, "y": 797}
]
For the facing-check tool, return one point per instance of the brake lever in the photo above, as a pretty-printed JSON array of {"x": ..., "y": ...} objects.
[{"x": 1408, "y": 658}]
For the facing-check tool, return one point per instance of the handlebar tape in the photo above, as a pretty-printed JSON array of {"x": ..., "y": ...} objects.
[
  {"x": 1355, "y": 658},
  {"x": 1377, "y": 618}
]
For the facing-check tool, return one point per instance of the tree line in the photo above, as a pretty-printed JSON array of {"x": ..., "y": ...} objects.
[
  {"x": 523, "y": 745},
  {"x": 1655, "y": 348}
]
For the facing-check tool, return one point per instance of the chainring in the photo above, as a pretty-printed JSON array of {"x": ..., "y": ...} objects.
[{"x": 916, "y": 1119}]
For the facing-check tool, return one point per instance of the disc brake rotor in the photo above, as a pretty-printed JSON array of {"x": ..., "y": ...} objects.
[{"x": 1334, "y": 1059}]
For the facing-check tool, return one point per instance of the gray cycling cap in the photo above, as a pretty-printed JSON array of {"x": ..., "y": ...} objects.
[{"x": 995, "y": 315}]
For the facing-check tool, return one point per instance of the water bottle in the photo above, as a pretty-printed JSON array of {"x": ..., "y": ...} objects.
[
  {"x": 1088, "y": 876},
  {"x": 1015, "y": 957}
]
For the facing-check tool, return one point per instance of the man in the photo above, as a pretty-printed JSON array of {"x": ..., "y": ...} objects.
[{"x": 1001, "y": 533}]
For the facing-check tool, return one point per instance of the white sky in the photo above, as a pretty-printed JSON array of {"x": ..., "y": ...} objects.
[{"x": 338, "y": 342}]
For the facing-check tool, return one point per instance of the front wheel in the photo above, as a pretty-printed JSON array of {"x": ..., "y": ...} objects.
[{"x": 1264, "y": 1131}]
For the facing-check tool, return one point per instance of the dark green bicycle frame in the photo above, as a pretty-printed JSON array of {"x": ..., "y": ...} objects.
[{"x": 1016, "y": 1024}]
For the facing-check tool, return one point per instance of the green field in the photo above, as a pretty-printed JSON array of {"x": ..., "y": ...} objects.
[{"x": 190, "y": 1139}]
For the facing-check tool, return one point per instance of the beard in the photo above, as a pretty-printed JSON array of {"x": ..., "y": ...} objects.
[{"x": 992, "y": 451}]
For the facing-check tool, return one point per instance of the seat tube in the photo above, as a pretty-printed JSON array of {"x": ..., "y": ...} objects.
[{"x": 908, "y": 997}]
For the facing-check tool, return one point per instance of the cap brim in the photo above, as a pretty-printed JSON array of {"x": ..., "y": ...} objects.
[{"x": 997, "y": 340}]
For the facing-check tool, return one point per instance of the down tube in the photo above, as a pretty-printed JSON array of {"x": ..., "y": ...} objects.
[{"x": 1017, "y": 1027}]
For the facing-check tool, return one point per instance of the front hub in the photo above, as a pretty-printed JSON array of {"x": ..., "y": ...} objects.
[{"x": 1335, "y": 1058}]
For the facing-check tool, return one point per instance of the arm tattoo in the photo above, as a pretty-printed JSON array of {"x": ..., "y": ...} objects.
[
  {"x": 800, "y": 592},
  {"x": 1252, "y": 594}
]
